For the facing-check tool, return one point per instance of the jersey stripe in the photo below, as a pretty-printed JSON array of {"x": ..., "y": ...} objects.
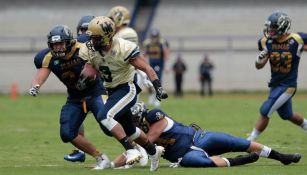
[
  {"x": 46, "y": 60},
  {"x": 133, "y": 54},
  {"x": 123, "y": 102}
]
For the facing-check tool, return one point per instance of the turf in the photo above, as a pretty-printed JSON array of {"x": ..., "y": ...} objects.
[{"x": 30, "y": 142}]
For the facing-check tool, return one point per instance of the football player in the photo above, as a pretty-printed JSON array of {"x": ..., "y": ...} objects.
[
  {"x": 82, "y": 27},
  {"x": 283, "y": 50},
  {"x": 121, "y": 17},
  {"x": 116, "y": 60},
  {"x": 157, "y": 50},
  {"x": 61, "y": 58},
  {"x": 190, "y": 146},
  {"x": 82, "y": 37}
]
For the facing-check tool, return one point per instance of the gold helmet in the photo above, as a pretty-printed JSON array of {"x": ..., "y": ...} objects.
[
  {"x": 101, "y": 31},
  {"x": 120, "y": 15}
]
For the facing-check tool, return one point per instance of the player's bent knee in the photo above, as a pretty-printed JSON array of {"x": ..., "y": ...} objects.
[
  {"x": 196, "y": 159},
  {"x": 67, "y": 137},
  {"x": 136, "y": 134},
  {"x": 109, "y": 123}
]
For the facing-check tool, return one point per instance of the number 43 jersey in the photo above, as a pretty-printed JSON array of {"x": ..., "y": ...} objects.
[
  {"x": 113, "y": 65},
  {"x": 284, "y": 58}
]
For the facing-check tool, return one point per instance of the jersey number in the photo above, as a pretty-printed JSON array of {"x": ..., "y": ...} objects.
[
  {"x": 106, "y": 73},
  {"x": 281, "y": 62}
]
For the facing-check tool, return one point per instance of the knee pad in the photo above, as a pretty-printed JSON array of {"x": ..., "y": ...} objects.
[
  {"x": 67, "y": 136},
  {"x": 136, "y": 134},
  {"x": 109, "y": 123}
]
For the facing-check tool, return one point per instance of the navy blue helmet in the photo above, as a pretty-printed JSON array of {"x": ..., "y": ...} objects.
[
  {"x": 276, "y": 25},
  {"x": 139, "y": 113},
  {"x": 83, "y": 23},
  {"x": 154, "y": 33},
  {"x": 60, "y": 33}
]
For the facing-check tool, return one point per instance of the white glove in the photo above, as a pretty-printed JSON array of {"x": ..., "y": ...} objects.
[
  {"x": 34, "y": 90},
  {"x": 147, "y": 82},
  {"x": 263, "y": 54}
]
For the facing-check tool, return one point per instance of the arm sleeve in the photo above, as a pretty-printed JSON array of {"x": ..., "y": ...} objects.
[
  {"x": 130, "y": 50},
  {"x": 40, "y": 57}
]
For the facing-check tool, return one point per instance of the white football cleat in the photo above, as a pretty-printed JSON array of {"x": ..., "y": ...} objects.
[
  {"x": 144, "y": 158},
  {"x": 156, "y": 158},
  {"x": 103, "y": 162},
  {"x": 132, "y": 156}
]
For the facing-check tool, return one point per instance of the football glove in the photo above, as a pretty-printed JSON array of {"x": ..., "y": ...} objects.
[
  {"x": 81, "y": 83},
  {"x": 34, "y": 90},
  {"x": 263, "y": 54},
  {"x": 161, "y": 94}
]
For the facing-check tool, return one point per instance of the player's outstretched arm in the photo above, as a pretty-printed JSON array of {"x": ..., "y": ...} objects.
[
  {"x": 139, "y": 63},
  {"x": 39, "y": 80}
]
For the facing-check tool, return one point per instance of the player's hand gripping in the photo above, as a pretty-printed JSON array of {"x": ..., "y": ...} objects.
[
  {"x": 161, "y": 94},
  {"x": 263, "y": 54},
  {"x": 34, "y": 90}
]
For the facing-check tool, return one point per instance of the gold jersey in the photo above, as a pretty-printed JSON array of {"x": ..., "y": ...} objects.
[
  {"x": 129, "y": 34},
  {"x": 113, "y": 65}
]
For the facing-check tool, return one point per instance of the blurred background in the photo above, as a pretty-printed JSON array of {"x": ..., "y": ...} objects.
[{"x": 226, "y": 31}]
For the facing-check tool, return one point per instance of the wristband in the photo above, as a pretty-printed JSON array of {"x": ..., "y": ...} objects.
[{"x": 156, "y": 83}]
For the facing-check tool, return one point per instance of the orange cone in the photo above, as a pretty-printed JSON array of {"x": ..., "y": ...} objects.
[{"x": 14, "y": 91}]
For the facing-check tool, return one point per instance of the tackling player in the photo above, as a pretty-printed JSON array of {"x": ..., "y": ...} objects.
[
  {"x": 190, "y": 146},
  {"x": 61, "y": 58},
  {"x": 283, "y": 50},
  {"x": 116, "y": 60}
]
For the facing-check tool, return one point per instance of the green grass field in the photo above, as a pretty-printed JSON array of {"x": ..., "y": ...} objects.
[{"x": 30, "y": 142}]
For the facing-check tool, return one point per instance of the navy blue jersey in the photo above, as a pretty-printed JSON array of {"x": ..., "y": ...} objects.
[
  {"x": 68, "y": 71},
  {"x": 176, "y": 138},
  {"x": 284, "y": 58},
  {"x": 155, "y": 51},
  {"x": 83, "y": 38}
]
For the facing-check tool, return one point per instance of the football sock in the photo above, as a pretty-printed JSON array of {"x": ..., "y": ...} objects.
[
  {"x": 275, "y": 155},
  {"x": 304, "y": 125},
  {"x": 265, "y": 152},
  {"x": 243, "y": 159},
  {"x": 254, "y": 135},
  {"x": 149, "y": 147},
  {"x": 126, "y": 143}
]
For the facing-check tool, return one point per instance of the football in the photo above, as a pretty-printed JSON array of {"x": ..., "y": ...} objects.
[{"x": 89, "y": 72}]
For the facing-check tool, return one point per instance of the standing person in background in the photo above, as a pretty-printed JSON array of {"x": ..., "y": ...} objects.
[
  {"x": 179, "y": 68},
  {"x": 282, "y": 49},
  {"x": 205, "y": 76},
  {"x": 156, "y": 49}
]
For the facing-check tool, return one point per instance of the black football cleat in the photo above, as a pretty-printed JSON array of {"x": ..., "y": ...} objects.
[{"x": 287, "y": 159}]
